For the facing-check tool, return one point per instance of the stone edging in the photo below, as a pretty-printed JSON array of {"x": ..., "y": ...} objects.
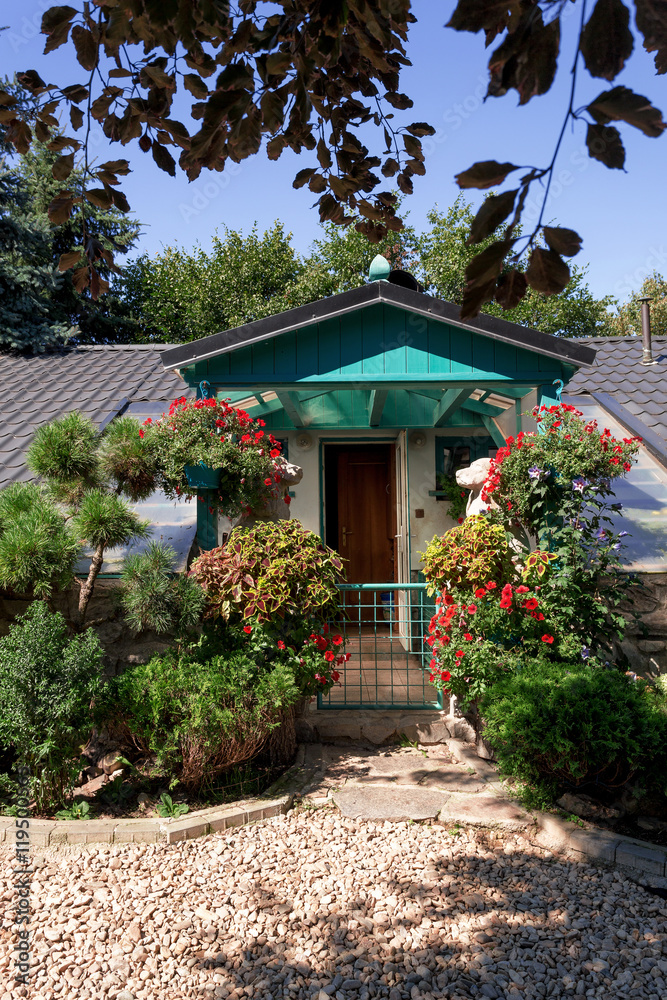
[
  {"x": 644, "y": 858},
  {"x": 604, "y": 845},
  {"x": 49, "y": 833}
]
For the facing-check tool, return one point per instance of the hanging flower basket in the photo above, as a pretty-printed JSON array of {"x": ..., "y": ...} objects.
[{"x": 202, "y": 477}]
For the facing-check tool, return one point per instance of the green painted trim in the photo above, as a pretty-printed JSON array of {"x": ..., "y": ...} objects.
[
  {"x": 476, "y": 406},
  {"x": 207, "y": 524},
  {"x": 451, "y": 401},
  {"x": 494, "y": 431},
  {"x": 376, "y": 406},
  {"x": 290, "y": 404},
  {"x": 517, "y": 413}
]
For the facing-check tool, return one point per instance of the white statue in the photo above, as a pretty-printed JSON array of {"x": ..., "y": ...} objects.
[
  {"x": 473, "y": 479},
  {"x": 276, "y": 509}
]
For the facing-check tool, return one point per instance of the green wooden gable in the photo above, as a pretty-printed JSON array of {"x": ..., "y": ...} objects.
[{"x": 378, "y": 356}]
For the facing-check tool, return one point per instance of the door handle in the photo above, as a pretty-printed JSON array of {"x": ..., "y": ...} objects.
[{"x": 345, "y": 533}]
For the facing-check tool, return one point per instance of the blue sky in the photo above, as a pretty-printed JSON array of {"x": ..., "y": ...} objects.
[{"x": 622, "y": 217}]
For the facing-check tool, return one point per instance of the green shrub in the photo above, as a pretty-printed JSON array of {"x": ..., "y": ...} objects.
[
  {"x": 38, "y": 547},
  {"x": 275, "y": 570},
  {"x": 555, "y": 725},
  {"x": 47, "y": 683},
  {"x": 200, "y": 715},
  {"x": 468, "y": 556},
  {"x": 153, "y": 597}
]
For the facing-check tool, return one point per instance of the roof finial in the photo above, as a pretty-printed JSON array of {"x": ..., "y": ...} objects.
[{"x": 379, "y": 269}]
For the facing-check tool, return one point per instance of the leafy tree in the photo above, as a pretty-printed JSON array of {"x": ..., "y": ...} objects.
[
  {"x": 40, "y": 307},
  {"x": 88, "y": 473},
  {"x": 28, "y": 279},
  {"x": 183, "y": 295},
  {"x": 103, "y": 321},
  {"x": 310, "y": 77},
  {"x": 629, "y": 320},
  {"x": 445, "y": 252}
]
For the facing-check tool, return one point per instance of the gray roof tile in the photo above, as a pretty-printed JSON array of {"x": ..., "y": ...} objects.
[
  {"x": 618, "y": 370},
  {"x": 94, "y": 380}
]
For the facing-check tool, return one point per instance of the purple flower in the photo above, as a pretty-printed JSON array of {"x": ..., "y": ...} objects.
[
  {"x": 585, "y": 652},
  {"x": 600, "y": 534},
  {"x": 622, "y": 534},
  {"x": 534, "y": 472},
  {"x": 579, "y": 483}
]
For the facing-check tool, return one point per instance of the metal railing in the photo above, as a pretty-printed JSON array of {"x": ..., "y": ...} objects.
[{"x": 384, "y": 625}]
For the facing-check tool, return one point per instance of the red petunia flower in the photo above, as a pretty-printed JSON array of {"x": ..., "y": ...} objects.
[
  {"x": 281, "y": 644},
  {"x": 480, "y": 592},
  {"x": 329, "y": 656},
  {"x": 490, "y": 585},
  {"x": 247, "y": 629},
  {"x": 548, "y": 638}
]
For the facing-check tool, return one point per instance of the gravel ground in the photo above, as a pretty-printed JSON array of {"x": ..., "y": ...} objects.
[{"x": 315, "y": 906}]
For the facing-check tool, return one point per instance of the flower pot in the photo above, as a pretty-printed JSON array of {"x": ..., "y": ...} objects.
[{"x": 202, "y": 477}]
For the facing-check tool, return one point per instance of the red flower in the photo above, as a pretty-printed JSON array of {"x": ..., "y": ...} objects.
[
  {"x": 247, "y": 629},
  {"x": 459, "y": 652},
  {"x": 335, "y": 676},
  {"x": 287, "y": 499},
  {"x": 480, "y": 592},
  {"x": 490, "y": 585},
  {"x": 467, "y": 635},
  {"x": 548, "y": 638},
  {"x": 472, "y": 608},
  {"x": 530, "y": 604},
  {"x": 337, "y": 639},
  {"x": 274, "y": 452},
  {"x": 445, "y": 675},
  {"x": 281, "y": 644},
  {"x": 522, "y": 589},
  {"x": 268, "y": 482},
  {"x": 329, "y": 656}
]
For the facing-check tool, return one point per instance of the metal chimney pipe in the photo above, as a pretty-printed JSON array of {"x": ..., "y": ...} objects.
[{"x": 647, "y": 352}]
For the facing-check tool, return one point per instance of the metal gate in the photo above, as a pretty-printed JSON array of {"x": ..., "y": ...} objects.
[{"x": 384, "y": 625}]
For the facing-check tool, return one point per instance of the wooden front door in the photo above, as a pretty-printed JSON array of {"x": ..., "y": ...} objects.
[{"x": 366, "y": 505}]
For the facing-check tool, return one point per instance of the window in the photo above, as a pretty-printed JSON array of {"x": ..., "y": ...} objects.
[{"x": 453, "y": 453}]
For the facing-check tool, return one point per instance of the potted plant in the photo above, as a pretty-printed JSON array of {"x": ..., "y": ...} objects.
[{"x": 207, "y": 445}]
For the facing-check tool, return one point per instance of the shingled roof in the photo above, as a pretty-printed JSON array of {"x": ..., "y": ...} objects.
[
  {"x": 99, "y": 381},
  {"x": 634, "y": 393}
]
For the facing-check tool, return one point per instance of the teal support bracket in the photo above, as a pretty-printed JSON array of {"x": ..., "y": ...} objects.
[{"x": 207, "y": 521}]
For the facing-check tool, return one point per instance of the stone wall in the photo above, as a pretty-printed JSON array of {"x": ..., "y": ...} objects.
[
  {"x": 122, "y": 646},
  {"x": 646, "y": 650}
]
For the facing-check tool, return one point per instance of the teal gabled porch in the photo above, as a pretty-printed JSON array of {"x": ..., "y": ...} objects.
[{"x": 379, "y": 374}]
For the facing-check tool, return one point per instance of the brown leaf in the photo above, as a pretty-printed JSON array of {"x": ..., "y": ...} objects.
[
  {"x": 512, "y": 287},
  {"x": 163, "y": 158},
  {"x": 413, "y": 147},
  {"x": 61, "y": 142},
  {"x": 607, "y": 41},
  {"x": 547, "y": 272},
  {"x": 196, "y": 86},
  {"x": 120, "y": 201},
  {"x": 56, "y": 23},
  {"x": 651, "y": 18},
  {"x": 398, "y": 101},
  {"x": 492, "y": 212},
  {"x": 76, "y": 117},
  {"x": 32, "y": 81},
  {"x": 121, "y": 167},
  {"x": 61, "y": 207},
  {"x": 80, "y": 279},
  {"x": 6, "y": 100},
  {"x": 145, "y": 143},
  {"x": 484, "y": 174},
  {"x": 527, "y": 59},
  {"x": 605, "y": 144},
  {"x": 68, "y": 260},
  {"x": 323, "y": 154},
  {"x": 474, "y": 297},
  {"x": 563, "y": 241},
  {"x": 622, "y": 104},
  {"x": 488, "y": 263},
  {"x": 275, "y": 146},
  {"x": 99, "y": 197},
  {"x": 20, "y": 136},
  {"x": 76, "y": 93},
  {"x": 86, "y": 47},
  {"x": 390, "y": 167},
  {"x": 303, "y": 177},
  {"x": 63, "y": 167},
  {"x": 491, "y": 16},
  {"x": 420, "y": 129}
]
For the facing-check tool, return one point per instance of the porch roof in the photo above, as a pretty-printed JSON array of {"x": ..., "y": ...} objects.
[{"x": 378, "y": 356}]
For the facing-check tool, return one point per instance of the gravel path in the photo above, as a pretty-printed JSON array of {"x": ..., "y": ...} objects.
[{"x": 312, "y": 906}]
